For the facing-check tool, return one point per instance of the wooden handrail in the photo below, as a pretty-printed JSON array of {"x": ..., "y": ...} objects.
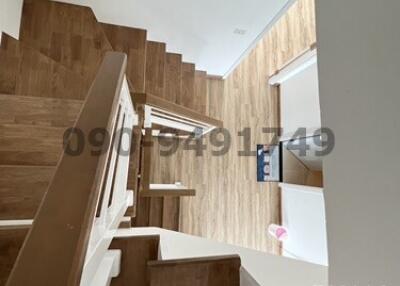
[
  {"x": 145, "y": 98},
  {"x": 312, "y": 47},
  {"x": 55, "y": 248},
  {"x": 195, "y": 260},
  {"x": 167, "y": 193}
]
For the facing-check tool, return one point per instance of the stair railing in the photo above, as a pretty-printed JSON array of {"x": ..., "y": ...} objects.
[
  {"x": 158, "y": 111},
  {"x": 87, "y": 197}
]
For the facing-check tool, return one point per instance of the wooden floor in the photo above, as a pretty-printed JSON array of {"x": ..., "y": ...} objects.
[{"x": 230, "y": 206}]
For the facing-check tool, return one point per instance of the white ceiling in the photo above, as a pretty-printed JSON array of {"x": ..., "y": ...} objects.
[{"x": 202, "y": 30}]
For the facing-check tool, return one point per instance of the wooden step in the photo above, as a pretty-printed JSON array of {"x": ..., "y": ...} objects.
[
  {"x": 136, "y": 252},
  {"x": 149, "y": 212},
  {"x": 173, "y": 78},
  {"x": 30, "y": 145},
  {"x": 200, "y": 92},
  {"x": 160, "y": 212},
  {"x": 156, "y": 212},
  {"x": 155, "y": 67},
  {"x": 171, "y": 211},
  {"x": 69, "y": 34},
  {"x": 167, "y": 190},
  {"x": 38, "y": 110},
  {"x": 26, "y": 71},
  {"x": 210, "y": 271},
  {"x": 187, "y": 86},
  {"x": 142, "y": 216},
  {"x": 11, "y": 240},
  {"x": 22, "y": 189},
  {"x": 132, "y": 42},
  {"x": 126, "y": 222}
]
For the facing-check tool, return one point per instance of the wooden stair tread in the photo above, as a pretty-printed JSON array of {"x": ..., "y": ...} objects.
[
  {"x": 142, "y": 215},
  {"x": 155, "y": 67},
  {"x": 210, "y": 271},
  {"x": 132, "y": 42},
  {"x": 195, "y": 260},
  {"x": 160, "y": 212},
  {"x": 126, "y": 222},
  {"x": 11, "y": 240},
  {"x": 30, "y": 145},
  {"x": 26, "y": 71},
  {"x": 136, "y": 252},
  {"x": 168, "y": 192},
  {"x": 171, "y": 211},
  {"x": 22, "y": 189},
  {"x": 38, "y": 110},
  {"x": 156, "y": 212},
  {"x": 69, "y": 34}
]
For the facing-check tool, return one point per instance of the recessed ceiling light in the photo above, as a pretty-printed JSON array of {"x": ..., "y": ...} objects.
[{"x": 240, "y": 32}]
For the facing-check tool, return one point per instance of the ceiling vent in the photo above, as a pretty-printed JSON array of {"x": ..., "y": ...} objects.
[{"x": 240, "y": 32}]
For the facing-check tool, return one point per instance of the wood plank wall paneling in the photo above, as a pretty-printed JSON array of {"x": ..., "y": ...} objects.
[
  {"x": 187, "y": 86},
  {"x": 11, "y": 240},
  {"x": 230, "y": 206},
  {"x": 136, "y": 252},
  {"x": 173, "y": 68},
  {"x": 200, "y": 91},
  {"x": 69, "y": 34},
  {"x": 132, "y": 42},
  {"x": 211, "y": 271},
  {"x": 25, "y": 71},
  {"x": 155, "y": 67}
]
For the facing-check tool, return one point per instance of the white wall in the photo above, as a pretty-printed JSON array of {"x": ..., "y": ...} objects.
[
  {"x": 264, "y": 268},
  {"x": 303, "y": 214},
  {"x": 359, "y": 73},
  {"x": 202, "y": 31},
  {"x": 300, "y": 107},
  {"x": 10, "y": 17}
]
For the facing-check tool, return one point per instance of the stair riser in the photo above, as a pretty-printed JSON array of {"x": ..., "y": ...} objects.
[
  {"x": 30, "y": 145},
  {"x": 11, "y": 240},
  {"x": 136, "y": 252},
  {"x": 68, "y": 34},
  {"x": 26, "y": 71},
  {"x": 22, "y": 189},
  {"x": 38, "y": 111}
]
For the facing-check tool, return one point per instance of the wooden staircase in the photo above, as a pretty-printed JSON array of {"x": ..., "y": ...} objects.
[{"x": 44, "y": 80}]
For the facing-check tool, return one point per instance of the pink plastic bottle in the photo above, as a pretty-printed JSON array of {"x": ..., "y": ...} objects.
[{"x": 278, "y": 232}]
